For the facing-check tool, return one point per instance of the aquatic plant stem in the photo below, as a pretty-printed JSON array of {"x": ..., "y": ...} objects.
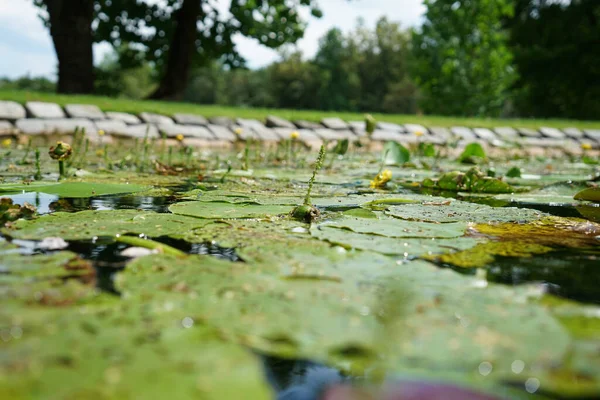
[
  {"x": 38, "y": 167},
  {"x": 61, "y": 170},
  {"x": 150, "y": 244},
  {"x": 311, "y": 182}
]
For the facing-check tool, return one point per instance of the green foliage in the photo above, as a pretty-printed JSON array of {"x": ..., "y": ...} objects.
[
  {"x": 589, "y": 194},
  {"x": 461, "y": 61},
  {"x": 395, "y": 154},
  {"x": 471, "y": 181},
  {"x": 552, "y": 44},
  {"x": 514, "y": 172},
  {"x": 472, "y": 154}
]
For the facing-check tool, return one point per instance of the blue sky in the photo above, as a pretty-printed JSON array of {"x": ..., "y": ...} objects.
[{"x": 26, "y": 47}]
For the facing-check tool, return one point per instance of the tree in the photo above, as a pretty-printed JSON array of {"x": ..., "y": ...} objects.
[
  {"x": 173, "y": 35},
  {"x": 461, "y": 60},
  {"x": 336, "y": 58},
  {"x": 70, "y": 25},
  {"x": 555, "y": 47}
]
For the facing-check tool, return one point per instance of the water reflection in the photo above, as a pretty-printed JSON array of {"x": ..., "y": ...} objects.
[
  {"x": 573, "y": 274},
  {"x": 46, "y": 203}
]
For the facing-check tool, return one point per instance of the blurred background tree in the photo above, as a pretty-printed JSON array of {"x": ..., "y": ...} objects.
[
  {"x": 519, "y": 58},
  {"x": 462, "y": 62}
]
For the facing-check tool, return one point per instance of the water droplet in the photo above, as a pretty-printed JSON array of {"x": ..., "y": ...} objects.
[
  {"x": 187, "y": 322},
  {"x": 517, "y": 366},
  {"x": 485, "y": 368},
  {"x": 532, "y": 385}
]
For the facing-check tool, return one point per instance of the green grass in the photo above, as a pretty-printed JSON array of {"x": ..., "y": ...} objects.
[{"x": 169, "y": 108}]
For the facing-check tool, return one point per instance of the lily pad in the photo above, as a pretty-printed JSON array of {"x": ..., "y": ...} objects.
[
  {"x": 589, "y": 194},
  {"x": 457, "y": 211},
  {"x": 470, "y": 181},
  {"x": 216, "y": 209},
  {"x": 396, "y": 228},
  {"x": 75, "y": 189},
  {"x": 86, "y": 225}
]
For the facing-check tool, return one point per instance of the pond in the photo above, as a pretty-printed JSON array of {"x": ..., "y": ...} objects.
[{"x": 423, "y": 272}]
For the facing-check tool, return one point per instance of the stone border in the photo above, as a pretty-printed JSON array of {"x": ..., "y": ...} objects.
[{"x": 40, "y": 118}]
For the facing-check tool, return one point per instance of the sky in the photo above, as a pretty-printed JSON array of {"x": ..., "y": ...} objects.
[{"x": 26, "y": 46}]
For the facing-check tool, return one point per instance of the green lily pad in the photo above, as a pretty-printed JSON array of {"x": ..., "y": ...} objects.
[
  {"x": 589, "y": 194},
  {"x": 85, "y": 225},
  {"x": 395, "y": 154},
  {"x": 471, "y": 181},
  {"x": 75, "y": 189},
  {"x": 396, "y": 228},
  {"x": 216, "y": 209},
  {"x": 457, "y": 211},
  {"x": 403, "y": 247},
  {"x": 472, "y": 152}
]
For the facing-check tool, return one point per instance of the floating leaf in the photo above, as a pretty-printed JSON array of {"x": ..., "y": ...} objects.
[
  {"x": 470, "y": 181},
  {"x": 472, "y": 154},
  {"x": 85, "y": 225},
  {"x": 226, "y": 210},
  {"x": 395, "y": 154},
  {"x": 457, "y": 211},
  {"x": 76, "y": 189},
  {"x": 514, "y": 172},
  {"x": 589, "y": 194}
]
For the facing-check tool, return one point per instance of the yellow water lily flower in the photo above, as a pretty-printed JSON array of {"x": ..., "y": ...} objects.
[
  {"x": 381, "y": 179},
  {"x": 6, "y": 143},
  {"x": 238, "y": 131},
  {"x": 586, "y": 146},
  {"x": 100, "y": 152},
  {"x": 294, "y": 135},
  {"x": 179, "y": 137},
  {"x": 101, "y": 132},
  {"x": 419, "y": 133}
]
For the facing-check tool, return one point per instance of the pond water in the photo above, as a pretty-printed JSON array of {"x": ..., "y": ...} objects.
[{"x": 392, "y": 288}]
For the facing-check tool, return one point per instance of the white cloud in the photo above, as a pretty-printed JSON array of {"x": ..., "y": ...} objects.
[{"x": 26, "y": 43}]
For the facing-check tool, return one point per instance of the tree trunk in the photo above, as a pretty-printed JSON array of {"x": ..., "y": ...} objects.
[
  {"x": 181, "y": 53},
  {"x": 71, "y": 31}
]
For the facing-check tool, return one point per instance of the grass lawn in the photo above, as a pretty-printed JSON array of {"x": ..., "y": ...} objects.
[{"x": 169, "y": 108}]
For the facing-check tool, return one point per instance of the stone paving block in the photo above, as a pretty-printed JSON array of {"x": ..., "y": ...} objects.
[
  {"x": 440, "y": 132},
  {"x": 190, "y": 119},
  {"x": 11, "y": 110},
  {"x": 172, "y": 130},
  {"x": 544, "y": 142},
  {"x": 32, "y": 126},
  {"x": 197, "y": 142},
  {"x": 266, "y": 134},
  {"x": 431, "y": 139},
  {"x": 222, "y": 132},
  {"x": 129, "y": 119},
  {"x": 507, "y": 133},
  {"x": 329, "y": 134},
  {"x": 387, "y": 135},
  {"x": 412, "y": 128},
  {"x": 221, "y": 121},
  {"x": 552, "y": 133},
  {"x": 302, "y": 124},
  {"x": 485, "y": 134},
  {"x": 110, "y": 126},
  {"x": 40, "y": 109},
  {"x": 390, "y": 126},
  {"x": 157, "y": 119},
  {"x": 278, "y": 122},
  {"x": 249, "y": 123},
  {"x": 357, "y": 126},
  {"x": 334, "y": 123},
  {"x": 463, "y": 132},
  {"x": 88, "y": 111},
  {"x": 304, "y": 135},
  {"x": 6, "y": 128},
  {"x": 573, "y": 133},
  {"x": 593, "y": 134},
  {"x": 526, "y": 132},
  {"x": 139, "y": 131}
]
